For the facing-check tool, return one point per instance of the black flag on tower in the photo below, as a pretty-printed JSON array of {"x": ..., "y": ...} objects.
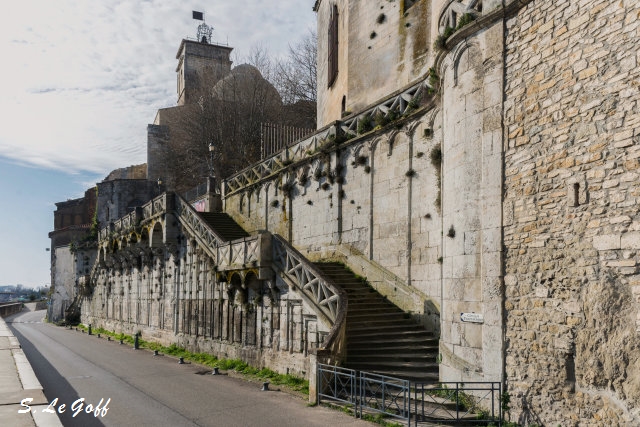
[{"x": 198, "y": 15}]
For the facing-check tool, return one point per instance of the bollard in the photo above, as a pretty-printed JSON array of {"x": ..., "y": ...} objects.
[
  {"x": 265, "y": 386},
  {"x": 108, "y": 338},
  {"x": 136, "y": 344},
  {"x": 215, "y": 371},
  {"x": 89, "y": 328},
  {"x": 181, "y": 361},
  {"x": 98, "y": 335},
  {"x": 121, "y": 342},
  {"x": 155, "y": 352}
]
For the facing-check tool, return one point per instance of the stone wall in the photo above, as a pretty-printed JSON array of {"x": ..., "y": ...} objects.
[
  {"x": 174, "y": 293},
  {"x": 118, "y": 197},
  {"x": 572, "y": 144},
  {"x": 382, "y": 47},
  {"x": 471, "y": 93},
  {"x": 371, "y": 202}
]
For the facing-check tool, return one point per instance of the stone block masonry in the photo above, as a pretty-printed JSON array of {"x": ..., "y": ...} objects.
[{"x": 572, "y": 134}]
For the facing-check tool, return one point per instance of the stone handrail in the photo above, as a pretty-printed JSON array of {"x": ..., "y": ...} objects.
[
  {"x": 155, "y": 207},
  {"x": 390, "y": 108},
  {"x": 189, "y": 218},
  {"x": 227, "y": 255},
  {"x": 329, "y": 300}
]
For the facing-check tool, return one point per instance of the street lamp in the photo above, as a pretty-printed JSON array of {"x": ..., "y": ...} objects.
[{"x": 211, "y": 150}]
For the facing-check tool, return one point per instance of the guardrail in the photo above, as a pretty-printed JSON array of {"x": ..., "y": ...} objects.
[{"x": 444, "y": 403}]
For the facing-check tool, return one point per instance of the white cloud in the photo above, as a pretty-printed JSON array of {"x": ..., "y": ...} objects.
[{"x": 81, "y": 79}]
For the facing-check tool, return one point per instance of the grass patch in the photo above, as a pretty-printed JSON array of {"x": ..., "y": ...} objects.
[{"x": 237, "y": 365}]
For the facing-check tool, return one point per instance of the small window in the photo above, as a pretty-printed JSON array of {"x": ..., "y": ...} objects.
[
  {"x": 333, "y": 47},
  {"x": 576, "y": 194}
]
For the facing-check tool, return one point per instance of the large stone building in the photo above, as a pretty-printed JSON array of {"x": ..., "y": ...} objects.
[{"x": 476, "y": 161}]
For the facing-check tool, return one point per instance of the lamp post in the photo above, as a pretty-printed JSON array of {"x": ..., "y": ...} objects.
[
  {"x": 212, "y": 177},
  {"x": 211, "y": 169}
]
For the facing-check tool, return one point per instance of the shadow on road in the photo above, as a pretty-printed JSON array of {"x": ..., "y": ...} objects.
[{"x": 62, "y": 389}]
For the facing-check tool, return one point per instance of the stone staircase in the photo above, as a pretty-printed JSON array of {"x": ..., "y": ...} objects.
[
  {"x": 224, "y": 225},
  {"x": 381, "y": 338}
]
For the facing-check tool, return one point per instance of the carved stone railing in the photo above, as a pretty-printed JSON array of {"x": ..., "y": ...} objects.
[
  {"x": 127, "y": 222},
  {"x": 328, "y": 300},
  {"x": 155, "y": 207},
  {"x": 236, "y": 254},
  {"x": 206, "y": 236},
  {"x": 454, "y": 10},
  {"x": 387, "y": 110}
]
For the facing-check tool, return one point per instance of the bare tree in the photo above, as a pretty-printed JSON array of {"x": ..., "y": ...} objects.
[
  {"x": 228, "y": 115},
  {"x": 296, "y": 74},
  {"x": 220, "y": 134}
]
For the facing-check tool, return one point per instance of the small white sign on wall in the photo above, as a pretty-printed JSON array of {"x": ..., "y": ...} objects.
[{"x": 472, "y": 317}]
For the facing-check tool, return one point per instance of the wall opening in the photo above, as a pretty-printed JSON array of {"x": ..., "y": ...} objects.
[{"x": 333, "y": 47}]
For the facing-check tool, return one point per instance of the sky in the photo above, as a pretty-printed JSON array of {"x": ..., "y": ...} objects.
[{"x": 81, "y": 79}]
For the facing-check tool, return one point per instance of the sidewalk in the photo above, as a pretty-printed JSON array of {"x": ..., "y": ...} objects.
[{"x": 18, "y": 382}]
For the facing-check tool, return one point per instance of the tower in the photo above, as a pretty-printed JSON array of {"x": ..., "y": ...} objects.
[{"x": 201, "y": 64}]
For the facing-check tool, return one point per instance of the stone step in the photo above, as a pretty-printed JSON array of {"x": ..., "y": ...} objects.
[
  {"x": 399, "y": 348},
  {"x": 391, "y": 333},
  {"x": 362, "y": 310},
  {"x": 224, "y": 225},
  {"x": 372, "y": 365},
  {"x": 375, "y": 345},
  {"x": 365, "y": 327},
  {"x": 415, "y": 376},
  {"x": 369, "y": 302},
  {"x": 376, "y": 315},
  {"x": 390, "y": 358},
  {"x": 381, "y": 337}
]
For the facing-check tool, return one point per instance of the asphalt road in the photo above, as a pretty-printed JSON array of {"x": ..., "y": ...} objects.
[{"x": 143, "y": 390}]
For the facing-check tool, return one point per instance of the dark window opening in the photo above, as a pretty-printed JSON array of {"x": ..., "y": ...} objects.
[
  {"x": 576, "y": 194},
  {"x": 409, "y": 3},
  {"x": 333, "y": 46},
  {"x": 344, "y": 104}
]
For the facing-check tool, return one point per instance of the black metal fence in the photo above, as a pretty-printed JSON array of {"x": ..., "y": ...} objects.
[
  {"x": 444, "y": 403},
  {"x": 195, "y": 193}
]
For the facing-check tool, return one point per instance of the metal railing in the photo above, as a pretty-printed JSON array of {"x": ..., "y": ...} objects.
[
  {"x": 457, "y": 403},
  {"x": 337, "y": 384},
  {"x": 385, "y": 395},
  {"x": 196, "y": 193},
  {"x": 444, "y": 403}
]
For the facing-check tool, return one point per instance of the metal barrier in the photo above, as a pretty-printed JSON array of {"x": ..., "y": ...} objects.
[
  {"x": 457, "y": 403},
  {"x": 386, "y": 395},
  {"x": 445, "y": 403},
  {"x": 337, "y": 384}
]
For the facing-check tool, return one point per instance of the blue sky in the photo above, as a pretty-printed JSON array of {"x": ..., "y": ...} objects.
[{"x": 81, "y": 80}]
